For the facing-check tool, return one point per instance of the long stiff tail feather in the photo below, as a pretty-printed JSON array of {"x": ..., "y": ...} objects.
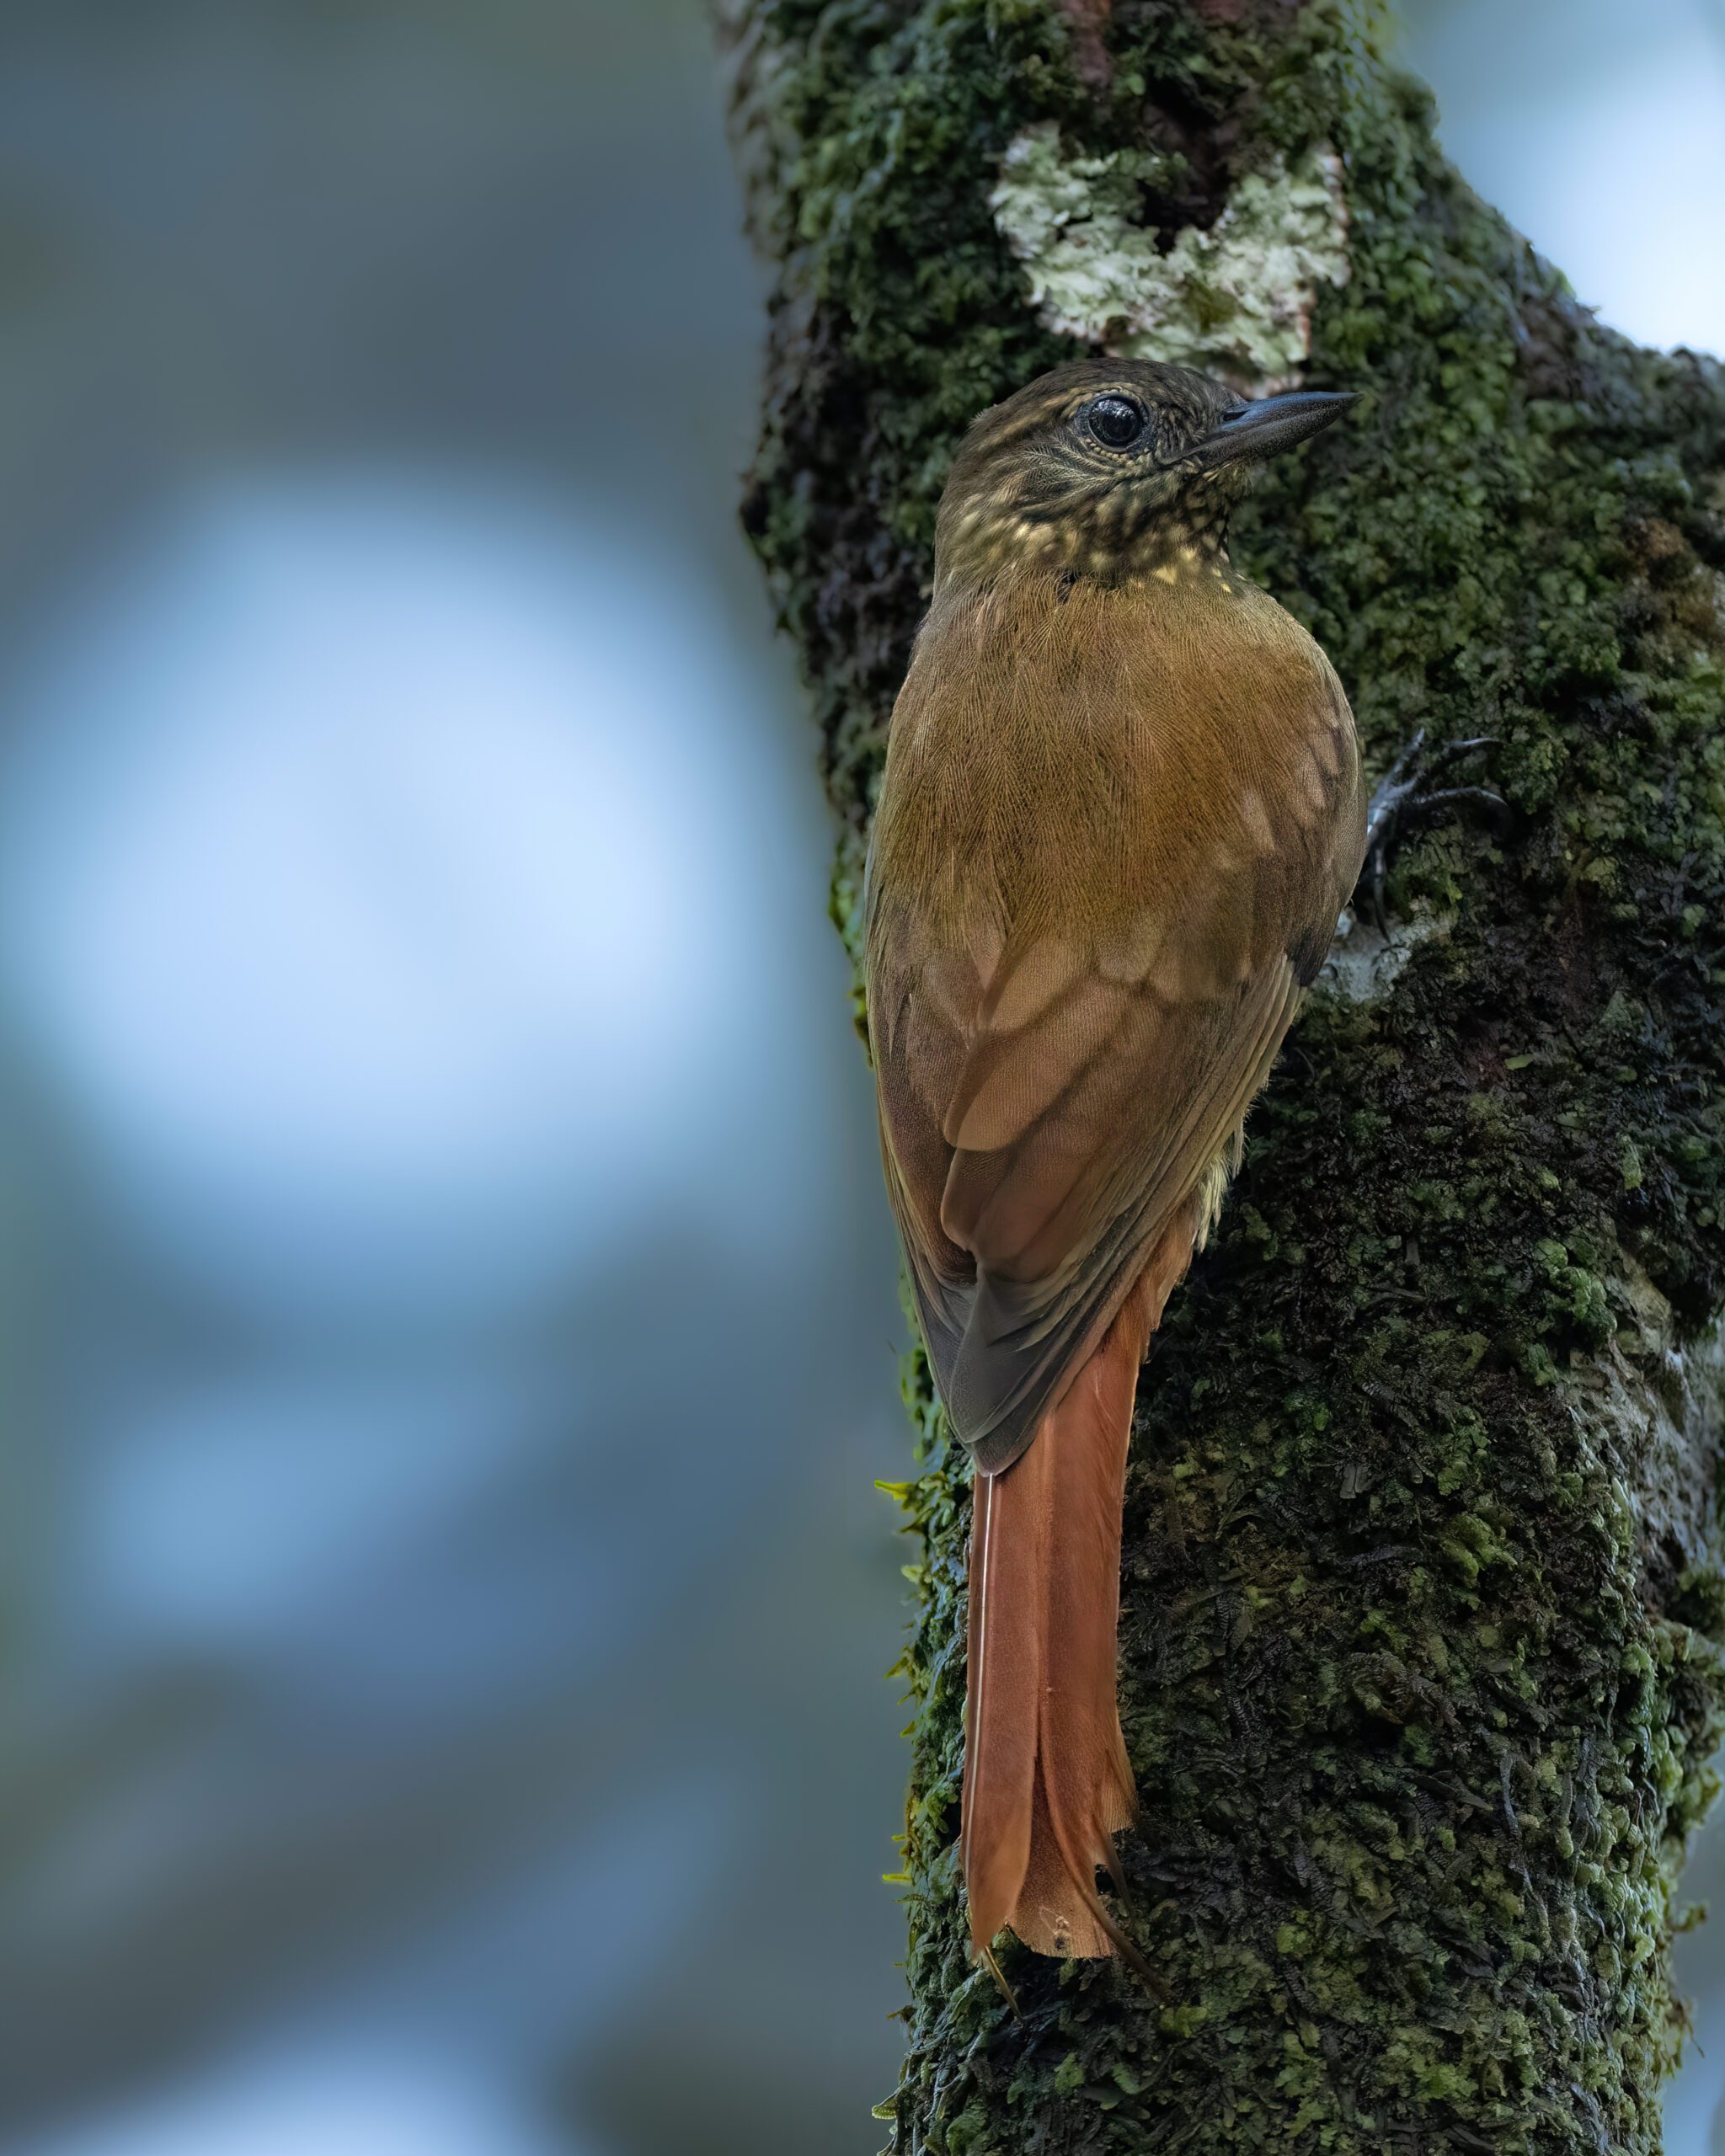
[{"x": 1047, "y": 1783}]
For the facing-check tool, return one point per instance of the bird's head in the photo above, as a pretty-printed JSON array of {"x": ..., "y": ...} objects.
[{"x": 1107, "y": 468}]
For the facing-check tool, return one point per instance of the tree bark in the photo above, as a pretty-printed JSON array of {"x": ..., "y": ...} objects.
[{"x": 1419, "y": 1649}]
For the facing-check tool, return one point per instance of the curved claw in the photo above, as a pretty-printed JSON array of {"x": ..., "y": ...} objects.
[
  {"x": 1398, "y": 806},
  {"x": 1492, "y": 808},
  {"x": 1452, "y": 752}
]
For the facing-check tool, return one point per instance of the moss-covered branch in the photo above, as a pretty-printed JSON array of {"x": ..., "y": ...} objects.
[{"x": 1419, "y": 1653}]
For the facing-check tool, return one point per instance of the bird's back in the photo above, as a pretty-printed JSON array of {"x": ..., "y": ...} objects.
[{"x": 1117, "y": 823}]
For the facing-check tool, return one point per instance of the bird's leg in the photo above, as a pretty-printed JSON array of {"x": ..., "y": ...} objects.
[{"x": 1404, "y": 800}]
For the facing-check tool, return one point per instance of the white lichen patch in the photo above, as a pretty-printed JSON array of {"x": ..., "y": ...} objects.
[
  {"x": 1365, "y": 959},
  {"x": 1236, "y": 300}
]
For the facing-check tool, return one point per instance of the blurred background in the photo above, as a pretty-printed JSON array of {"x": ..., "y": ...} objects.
[{"x": 448, "y": 1312}]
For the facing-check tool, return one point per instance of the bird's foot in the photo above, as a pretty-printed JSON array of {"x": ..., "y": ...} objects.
[{"x": 1405, "y": 800}]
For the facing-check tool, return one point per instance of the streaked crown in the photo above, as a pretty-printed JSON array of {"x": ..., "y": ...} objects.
[{"x": 1107, "y": 467}]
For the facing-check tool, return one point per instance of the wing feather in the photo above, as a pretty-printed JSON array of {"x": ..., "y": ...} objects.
[{"x": 1064, "y": 1045}]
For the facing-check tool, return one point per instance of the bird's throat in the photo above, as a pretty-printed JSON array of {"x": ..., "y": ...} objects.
[{"x": 1111, "y": 540}]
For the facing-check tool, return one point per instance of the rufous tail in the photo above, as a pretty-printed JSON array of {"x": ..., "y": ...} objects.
[{"x": 1047, "y": 1785}]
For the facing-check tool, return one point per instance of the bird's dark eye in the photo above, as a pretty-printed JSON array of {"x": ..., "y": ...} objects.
[{"x": 1117, "y": 422}]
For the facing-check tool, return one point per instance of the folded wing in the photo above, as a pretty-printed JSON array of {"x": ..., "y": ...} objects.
[{"x": 1056, "y": 1078}]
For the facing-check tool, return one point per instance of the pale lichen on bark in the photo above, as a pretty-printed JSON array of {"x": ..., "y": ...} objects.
[
  {"x": 1420, "y": 1642},
  {"x": 1235, "y": 300},
  {"x": 1367, "y": 955}
]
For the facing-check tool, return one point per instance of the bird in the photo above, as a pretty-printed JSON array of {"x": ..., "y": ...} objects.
[{"x": 1120, "y": 815}]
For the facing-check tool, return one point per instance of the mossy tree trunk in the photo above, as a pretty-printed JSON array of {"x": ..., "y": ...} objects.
[{"x": 1419, "y": 1660}]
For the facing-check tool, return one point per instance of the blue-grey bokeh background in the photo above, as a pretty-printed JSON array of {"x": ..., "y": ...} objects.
[{"x": 449, "y": 1320}]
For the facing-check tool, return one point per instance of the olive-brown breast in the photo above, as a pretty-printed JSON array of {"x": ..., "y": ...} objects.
[{"x": 1116, "y": 828}]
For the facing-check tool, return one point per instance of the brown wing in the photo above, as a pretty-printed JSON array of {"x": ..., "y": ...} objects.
[{"x": 1056, "y": 1080}]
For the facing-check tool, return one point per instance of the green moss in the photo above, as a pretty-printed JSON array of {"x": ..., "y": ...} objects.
[{"x": 1420, "y": 1642}]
